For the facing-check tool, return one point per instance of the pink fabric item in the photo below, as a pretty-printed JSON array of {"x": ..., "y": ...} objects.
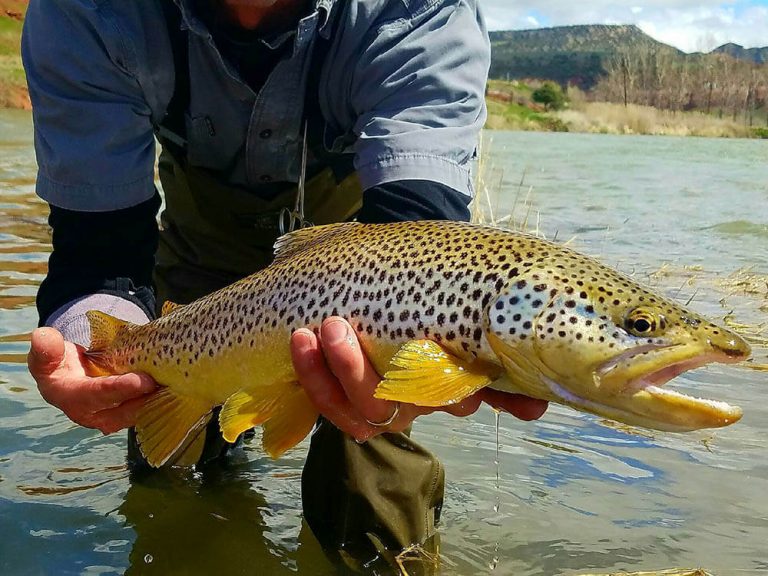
[{"x": 71, "y": 321}]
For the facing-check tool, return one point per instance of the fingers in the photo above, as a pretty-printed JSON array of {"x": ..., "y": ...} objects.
[
  {"x": 466, "y": 407},
  {"x": 115, "y": 419},
  {"x": 108, "y": 392},
  {"x": 108, "y": 403},
  {"x": 46, "y": 353},
  {"x": 522, "y": 407},
  {"x": 340, "y": 381},
  {"x": 350, "y": 365},
  {"x": 322, "y": 387}
]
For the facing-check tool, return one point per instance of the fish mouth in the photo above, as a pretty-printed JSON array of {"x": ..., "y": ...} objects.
[{"x": 629, "y": 388}]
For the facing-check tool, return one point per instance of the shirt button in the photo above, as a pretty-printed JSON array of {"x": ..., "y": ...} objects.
[
  {"x": 266, "y": 178},
  {"x": 264, "y": 134}
]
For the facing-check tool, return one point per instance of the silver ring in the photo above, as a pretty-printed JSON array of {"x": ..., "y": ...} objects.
[{"x": 389, "y": 420}]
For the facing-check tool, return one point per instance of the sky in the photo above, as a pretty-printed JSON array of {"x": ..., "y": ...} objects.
[{"x": 691, "y": 25}]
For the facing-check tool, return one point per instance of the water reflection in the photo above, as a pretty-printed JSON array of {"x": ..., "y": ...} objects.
[{"x": 199, "y": 523}]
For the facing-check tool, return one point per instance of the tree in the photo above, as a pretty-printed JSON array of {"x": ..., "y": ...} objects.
[{"x": 550, "y": 95}]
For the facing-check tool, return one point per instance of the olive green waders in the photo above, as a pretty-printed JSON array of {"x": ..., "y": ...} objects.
[{"x": 359, "y": 498}]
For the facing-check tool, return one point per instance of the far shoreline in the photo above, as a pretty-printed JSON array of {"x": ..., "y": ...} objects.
[{"x": 512, "y": 107}]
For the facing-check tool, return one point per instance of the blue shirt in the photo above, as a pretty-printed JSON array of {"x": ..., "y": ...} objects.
[{"x": 401, "y": 88}]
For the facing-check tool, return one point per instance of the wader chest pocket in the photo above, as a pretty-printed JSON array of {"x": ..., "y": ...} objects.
[{"x": 207, "y": 147}]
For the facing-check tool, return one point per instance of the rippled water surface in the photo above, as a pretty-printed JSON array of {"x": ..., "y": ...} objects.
[{"x": 570, "y": 494}]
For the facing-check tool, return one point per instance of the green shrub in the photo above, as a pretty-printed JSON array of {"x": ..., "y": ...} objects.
[{"x": 550, "y": 95}]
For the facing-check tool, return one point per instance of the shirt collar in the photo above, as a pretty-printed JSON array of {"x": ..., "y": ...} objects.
[{"x": 190, "y": 21}]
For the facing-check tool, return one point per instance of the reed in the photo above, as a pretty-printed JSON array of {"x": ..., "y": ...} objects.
[{"x": 607, "y": 118}]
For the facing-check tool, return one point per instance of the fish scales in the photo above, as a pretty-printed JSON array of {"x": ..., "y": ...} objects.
[
  {"x": 434, "y": 286},
  {"x": 511, "y": 310}
]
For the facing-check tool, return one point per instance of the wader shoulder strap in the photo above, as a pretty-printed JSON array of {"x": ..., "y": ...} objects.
[
  {"x": 172, "y": 129},
  {"x": 342, "y": 165}
]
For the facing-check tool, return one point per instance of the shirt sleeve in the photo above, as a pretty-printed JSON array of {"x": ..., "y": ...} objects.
[
  {"x": 418, "y": 95},
  {"x": 93, "y": 130}
]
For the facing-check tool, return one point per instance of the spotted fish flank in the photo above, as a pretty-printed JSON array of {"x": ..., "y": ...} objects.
[{"x": 442, "y": 309}]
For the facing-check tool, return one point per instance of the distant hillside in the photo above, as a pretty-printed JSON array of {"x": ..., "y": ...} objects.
[
  {"x": 567, "y": 54},
  {"x": 759, "y": 55}
]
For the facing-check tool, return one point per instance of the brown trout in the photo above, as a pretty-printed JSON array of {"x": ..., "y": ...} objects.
[{"x": 442, "y": 309}]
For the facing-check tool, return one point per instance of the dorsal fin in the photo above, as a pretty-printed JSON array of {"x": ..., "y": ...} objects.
[
  {"x": 169, "y": 307},
  {"x": 299, "y": 240}
]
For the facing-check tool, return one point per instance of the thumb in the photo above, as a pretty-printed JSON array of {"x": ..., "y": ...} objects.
[{"x": 47, "y": 351}]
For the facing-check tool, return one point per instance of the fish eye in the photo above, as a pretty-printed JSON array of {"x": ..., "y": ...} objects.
[{"x": 641, "y": 322}]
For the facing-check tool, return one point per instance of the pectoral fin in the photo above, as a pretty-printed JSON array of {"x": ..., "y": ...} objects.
[
  {"x": 245, "y": 410},
  {"x": 430, "y": 376},
  {"x": 168, "y": 423}
]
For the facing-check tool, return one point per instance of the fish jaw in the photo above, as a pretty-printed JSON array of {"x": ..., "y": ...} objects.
[
  {"x": 633, "y": 392},
  {"x": 629, "y": 388}
]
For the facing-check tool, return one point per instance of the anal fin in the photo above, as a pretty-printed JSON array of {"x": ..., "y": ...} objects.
[
  {"x": 291, "y": 423},
  {"x": 192, "y": 450},
  {"x": 167, "y": 423},
  {"x": 430, "y": 376}
]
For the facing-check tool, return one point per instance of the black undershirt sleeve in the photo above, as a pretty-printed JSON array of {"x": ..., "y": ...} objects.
[
  {"x": 101, "y": 252},
  {"x": 413, "y": 200}
]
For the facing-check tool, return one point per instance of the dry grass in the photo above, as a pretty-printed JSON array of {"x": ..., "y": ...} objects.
[
  {"x": 752, "y": 286},
  {"x": 669, "y": 572},
  {"x": 426, "y": 562},
  {"x": 488, "y": 185},
  {"x": 747, "y": 282},
  {"x": 606, "y": 118}
]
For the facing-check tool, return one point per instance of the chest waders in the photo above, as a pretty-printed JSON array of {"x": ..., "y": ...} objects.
[{"x": 385, "y": 494}]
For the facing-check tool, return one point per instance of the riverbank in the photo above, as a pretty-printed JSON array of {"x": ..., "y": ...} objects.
[
  {"x": 607, "y": 118},
  {"x": 511, "y": 107}
]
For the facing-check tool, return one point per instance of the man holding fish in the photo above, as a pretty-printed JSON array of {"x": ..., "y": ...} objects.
[{"x": 377, "y": 104}]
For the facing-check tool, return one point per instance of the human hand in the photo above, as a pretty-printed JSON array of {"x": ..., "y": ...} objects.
[
  {"x": 108, "y": 403},
  {"x": 340, "y": 382}
]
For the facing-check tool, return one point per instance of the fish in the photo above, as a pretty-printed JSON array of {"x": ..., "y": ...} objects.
[{"x": 442, "y": 309}]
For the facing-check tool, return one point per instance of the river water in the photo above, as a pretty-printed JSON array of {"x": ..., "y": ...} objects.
[{"x": 571, "y": 494}]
